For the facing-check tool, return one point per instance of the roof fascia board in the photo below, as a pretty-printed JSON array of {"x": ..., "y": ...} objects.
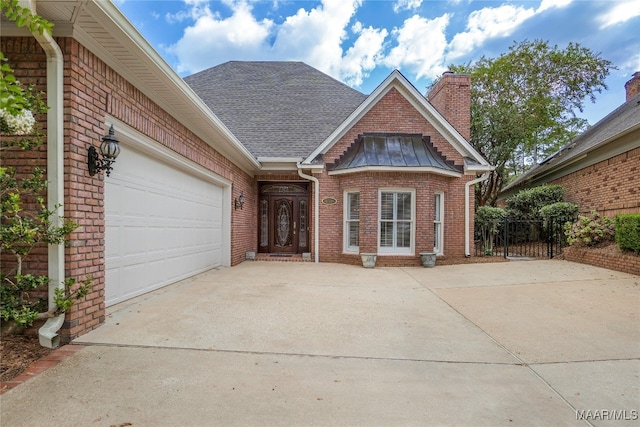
[
  {"x": 590, "y": 158},
  {"x": 119, "y": 27},
  {"x": 398, "y": 81},
  {"x": 423, "y": 169},
  {"x": 295, "y": 160}
]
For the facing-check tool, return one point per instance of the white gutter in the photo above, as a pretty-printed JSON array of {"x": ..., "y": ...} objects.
[
  {"x": 467, "y": 188},
  {"x": 48, "y": 333},
  {"x": 316, "y": 208}
]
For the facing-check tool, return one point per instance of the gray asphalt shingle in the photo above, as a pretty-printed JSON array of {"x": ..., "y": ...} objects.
[{"x": 276, "y": 109}]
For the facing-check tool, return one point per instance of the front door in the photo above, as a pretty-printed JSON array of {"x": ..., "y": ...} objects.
[{"x": 284, "y": 218}]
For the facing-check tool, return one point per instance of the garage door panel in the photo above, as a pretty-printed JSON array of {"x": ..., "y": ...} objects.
[{"x": 162, "y": 226}]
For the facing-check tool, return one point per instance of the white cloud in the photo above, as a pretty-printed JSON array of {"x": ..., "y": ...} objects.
[
  {"x": 622, "y": 11},
  {"x": 632, "y": 64},
  {"x": 552, "y": 4},
  {"x": 213, "y": 40},
  {"x": 485, "y": 24},
  {"x": 406, "y": 5},
  {"x": 363, "y": 56},
  {"x": 316, "y": 36},
  {"x": 421, "y": 46}
]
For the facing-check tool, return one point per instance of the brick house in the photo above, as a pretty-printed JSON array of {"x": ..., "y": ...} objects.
[
  {"x": 598, "y": 169},
  {"x": 245, "y": 158}
]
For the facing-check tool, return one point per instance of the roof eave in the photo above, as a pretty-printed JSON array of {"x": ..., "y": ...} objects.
[
  {"x": 567, "y": 166},
  {"x": 419, "y": 169},
  {"x": 279, "y": 163}
]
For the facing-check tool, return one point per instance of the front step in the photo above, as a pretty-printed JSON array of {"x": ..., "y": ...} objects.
[{"x": 282, "y": 258}]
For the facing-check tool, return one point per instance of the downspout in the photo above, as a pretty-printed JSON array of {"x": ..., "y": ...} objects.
[
  {"x": 467, "y": 187},
  {"x": 316, "y": 209},
  {"x": 48, "y": 333}
]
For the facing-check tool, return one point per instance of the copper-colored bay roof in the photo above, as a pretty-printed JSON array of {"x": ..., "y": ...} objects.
[
  {"x": 372, "y": 150},
  {"x": 276, "y": 109}
]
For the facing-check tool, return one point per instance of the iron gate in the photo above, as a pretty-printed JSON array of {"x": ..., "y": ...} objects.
[{"x": 520, "y": 238}]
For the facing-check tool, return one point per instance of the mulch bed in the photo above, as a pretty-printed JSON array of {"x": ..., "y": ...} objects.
[{"x": 17, "y": 352}]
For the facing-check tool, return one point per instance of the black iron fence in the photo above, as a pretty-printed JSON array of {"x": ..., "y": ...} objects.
[{"x": 520, "y": 238}]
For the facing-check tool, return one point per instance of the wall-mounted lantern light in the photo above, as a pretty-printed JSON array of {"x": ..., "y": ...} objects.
[
  {"x": 239, "y": 201},
  {"x": 109, "y": 149}
]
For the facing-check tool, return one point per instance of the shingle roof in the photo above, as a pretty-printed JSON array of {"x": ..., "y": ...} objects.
[
  {"x": 393, "y": 150},
  {"x": 276, "y": 109},
  {"x": 618, "y": 122}
]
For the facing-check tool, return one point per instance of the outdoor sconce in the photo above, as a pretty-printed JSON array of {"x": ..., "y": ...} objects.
[
  {"x": 239, "y": 201},
  {"x": 109, "y": 149}
]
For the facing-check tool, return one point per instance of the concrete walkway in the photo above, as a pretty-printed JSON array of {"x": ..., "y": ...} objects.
[{"x": 540, "y": 343}]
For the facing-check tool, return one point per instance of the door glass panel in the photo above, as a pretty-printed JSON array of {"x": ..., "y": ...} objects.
[
  {"x": 264, "y": 223},
  {"x": 302, "y": 236},
  {"x": 283, "y": 223}
]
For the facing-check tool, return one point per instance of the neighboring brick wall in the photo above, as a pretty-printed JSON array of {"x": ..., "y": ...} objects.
[
  {"x": 626, "y": 263},
  {"x": 610, "y": 187},
  {"x": 92, "y": 90}
]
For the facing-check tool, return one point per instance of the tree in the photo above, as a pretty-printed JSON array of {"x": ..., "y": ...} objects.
[
  {"x": 25, "y": 221},
  {"x": 524, "y": 105}
]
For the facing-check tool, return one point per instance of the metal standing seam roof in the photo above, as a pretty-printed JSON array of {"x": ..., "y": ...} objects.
[
  {"x": 276, "y": 109},
  {"x": 393, "y": 150}
]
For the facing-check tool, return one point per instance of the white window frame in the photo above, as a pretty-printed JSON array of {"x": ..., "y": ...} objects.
[
  {"x": 395, "y": 250},
  {"x": 438, "y": 223},
  {"x": 347, "y": 248}
]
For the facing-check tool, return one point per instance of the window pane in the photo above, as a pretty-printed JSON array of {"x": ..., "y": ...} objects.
[
  {"x": 404, "y": 206},
  {"x": 354, "y": 234},
  {"x": 437, "y": 207},
  {"x": 386, "y": 234},
  {"x": 354, "y": 205},
  {"x": 403, "y": 239},
  {"x": 386, "y": 206}
]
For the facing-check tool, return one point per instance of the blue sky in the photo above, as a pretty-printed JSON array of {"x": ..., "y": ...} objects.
[{"x": 361, "y": 41}]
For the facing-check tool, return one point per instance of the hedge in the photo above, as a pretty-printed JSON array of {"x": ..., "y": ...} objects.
[{"x": 628, "y": 232}]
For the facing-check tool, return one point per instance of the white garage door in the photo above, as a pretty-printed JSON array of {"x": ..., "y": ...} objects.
[{"x": 163, "y": 224}]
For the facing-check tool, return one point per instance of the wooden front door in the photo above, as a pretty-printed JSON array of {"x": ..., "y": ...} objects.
[{"x": 284, "y": 218}]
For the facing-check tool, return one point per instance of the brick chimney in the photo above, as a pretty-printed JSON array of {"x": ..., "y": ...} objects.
[
  {"x": 451, "y": 96},
  {"x": 633, "y": 85}
]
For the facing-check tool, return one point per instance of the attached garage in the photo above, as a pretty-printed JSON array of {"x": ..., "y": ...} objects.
[{"x": 166, "y": 219}]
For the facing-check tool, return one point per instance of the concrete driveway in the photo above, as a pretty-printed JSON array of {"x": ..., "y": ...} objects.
[{"x": 300, "y": 344}]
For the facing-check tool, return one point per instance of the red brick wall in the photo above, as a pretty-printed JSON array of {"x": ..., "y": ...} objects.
[
  {"x": 393, "y": 113},
  {"x": 451, "y": 96},
  {"x": 91, "y": 91},
  {"x": 624, "y": 262},
  {"x": 29, "y": 68},
  {"x": 610, "y": 187}
]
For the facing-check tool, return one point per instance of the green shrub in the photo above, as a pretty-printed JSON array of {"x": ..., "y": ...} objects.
[
  {"x": 560, "y": 212},
  {"x": 526, "y": 204},
  {"x": 590, "y": 230},
  {"x": 628, "y": 232},
  {"x": 488, "y": 218}
]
